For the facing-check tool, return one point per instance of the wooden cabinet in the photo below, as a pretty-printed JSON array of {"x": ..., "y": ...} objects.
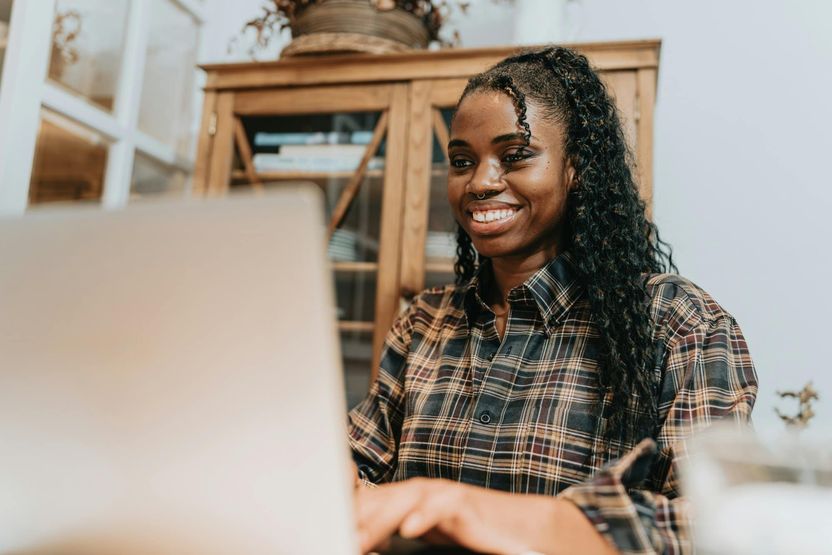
[{"x": 371, "y": 132}]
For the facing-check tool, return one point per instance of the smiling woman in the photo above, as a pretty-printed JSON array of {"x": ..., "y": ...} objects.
[{"x": 564, "y": 365}]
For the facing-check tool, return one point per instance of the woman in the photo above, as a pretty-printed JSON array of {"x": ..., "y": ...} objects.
[{"x": 565, "y": 365}]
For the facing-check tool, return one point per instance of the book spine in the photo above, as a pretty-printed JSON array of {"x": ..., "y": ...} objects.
[
  {"x": 324, "y": 151},
  {"x": 265, "y": 139},
  {"x": 280, "y": 162}
]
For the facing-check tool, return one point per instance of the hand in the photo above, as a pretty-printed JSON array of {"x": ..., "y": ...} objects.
[{"x": 442, "y": 511}]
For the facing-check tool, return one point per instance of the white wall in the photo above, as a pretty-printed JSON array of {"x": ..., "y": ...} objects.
[
  {"x": 742, "y": 176},
  {"x": 742, "y": 152},
  {"x": 224, "y": 19}
]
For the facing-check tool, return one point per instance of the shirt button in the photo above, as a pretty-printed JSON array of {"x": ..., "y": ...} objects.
[
  {"x": 485, "y": 417},
  {"x": 491, "y": 356},
  {"x": 508, "y": 350}
]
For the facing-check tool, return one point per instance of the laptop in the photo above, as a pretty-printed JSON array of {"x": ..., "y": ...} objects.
[{"x": 170, "y": 381}]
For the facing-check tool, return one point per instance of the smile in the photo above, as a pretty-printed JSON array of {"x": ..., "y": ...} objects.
[
  {"x": 485, "y": 216},
  {"x": 492, "y": 221}
]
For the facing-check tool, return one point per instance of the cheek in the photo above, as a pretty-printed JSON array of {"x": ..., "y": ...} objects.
[
  {"x": 542, "y": 194},
  {"x": 548, "y": 203},
  {"x": 456, "y": 190},
  {"x": 545, "y": 183}
]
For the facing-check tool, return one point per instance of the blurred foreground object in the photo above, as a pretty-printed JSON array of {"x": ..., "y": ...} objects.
[
  {"x": 749, "y": 496},
  {"x": 158, "y": 364}
]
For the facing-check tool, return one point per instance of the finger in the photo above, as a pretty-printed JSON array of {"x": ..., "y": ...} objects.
[
  {"x": 465, "y": 516},
  {"x": 383, "y": 546},
  {"x": 441, "y": 503},
  {"x": 381, "y": 511}
]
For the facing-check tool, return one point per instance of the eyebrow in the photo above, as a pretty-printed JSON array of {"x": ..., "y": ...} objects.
[{"x": 496, "y": 140}]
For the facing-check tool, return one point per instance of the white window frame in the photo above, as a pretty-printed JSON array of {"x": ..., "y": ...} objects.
[{"x": 25, "y": 90}]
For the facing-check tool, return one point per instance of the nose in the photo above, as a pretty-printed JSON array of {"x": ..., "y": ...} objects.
[{"x": 487, "y": 179}]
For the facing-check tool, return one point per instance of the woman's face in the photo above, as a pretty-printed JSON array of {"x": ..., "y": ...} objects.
[{"x": 525, "y": 187}]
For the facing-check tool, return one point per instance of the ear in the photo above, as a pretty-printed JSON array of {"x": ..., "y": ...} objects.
[{"x": 570, "y": 174}]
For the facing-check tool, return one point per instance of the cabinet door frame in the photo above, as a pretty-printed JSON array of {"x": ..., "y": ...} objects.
[
  {"x": 426, "y": 96},
  {"x": 216, "y": 148}
]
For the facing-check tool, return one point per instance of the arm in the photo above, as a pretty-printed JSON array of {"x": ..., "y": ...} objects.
[
  {"x": 374, "y": 426},
  {"x": 484, "y": 520},
  {"x": 708, "y": 376}
]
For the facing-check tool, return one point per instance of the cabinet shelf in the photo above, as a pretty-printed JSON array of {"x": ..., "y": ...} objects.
[
  {"x": 356, "y": 267},
  {"x": 441, "y": 267},
  {"x": 298, "y": 175},
  {"x": 240, "y": 175},
  {"x": 351, "y": 325}
]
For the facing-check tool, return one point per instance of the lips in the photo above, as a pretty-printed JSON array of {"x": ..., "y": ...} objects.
[{"x": 490, "y": 218}]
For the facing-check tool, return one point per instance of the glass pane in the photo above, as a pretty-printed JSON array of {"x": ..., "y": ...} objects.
[
  {"x": 357, "y": 351},
  {"x": 167, "y": 100},
  {"x": 152, "y": 178},
  {"x": 440, "y": 247},
  {"x": 325, "y": 149},
  {"x": 70, "y": 162},
  {"x": 5, "y": 18},
  {"x": 357, "y": 239},
  {"x": 355, "y": 294},
  {"x": 87, "y": 47}
]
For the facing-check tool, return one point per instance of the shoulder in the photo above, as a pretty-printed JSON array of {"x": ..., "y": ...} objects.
[
  {"x": 680, "y": 305},
  {"x": 438, "y": 302},
  {"x": 438, "y": 306}
]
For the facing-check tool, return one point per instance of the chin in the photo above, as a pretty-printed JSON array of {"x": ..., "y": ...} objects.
[{"x": 493, "y": 249}]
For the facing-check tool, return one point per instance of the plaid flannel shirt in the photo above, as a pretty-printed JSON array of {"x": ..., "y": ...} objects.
[{"x": 526, "y": 414}]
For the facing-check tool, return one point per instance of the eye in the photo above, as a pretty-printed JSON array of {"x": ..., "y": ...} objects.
[
  {"x": 516, "y": 155},
  {"x": 460, "y": 163}
]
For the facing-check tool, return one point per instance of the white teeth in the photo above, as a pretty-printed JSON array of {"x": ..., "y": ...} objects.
[{"x": 492, "y": 215}]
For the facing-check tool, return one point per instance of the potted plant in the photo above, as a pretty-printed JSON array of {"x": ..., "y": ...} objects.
[{"x": 376, "y": 26}]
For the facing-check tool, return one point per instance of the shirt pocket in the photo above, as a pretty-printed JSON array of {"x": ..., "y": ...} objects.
[{"x": 561, "y": 448}]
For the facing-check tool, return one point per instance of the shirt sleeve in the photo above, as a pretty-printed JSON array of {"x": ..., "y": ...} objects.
[
  {"x": 374, "y": 425},
  {"x": 635, "y": 501}
]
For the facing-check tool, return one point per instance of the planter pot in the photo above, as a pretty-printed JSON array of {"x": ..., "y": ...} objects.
[{"x": 338, "y": 26}]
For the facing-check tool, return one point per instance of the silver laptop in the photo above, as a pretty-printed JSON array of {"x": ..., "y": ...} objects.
[{"x": 170, "y": 381}]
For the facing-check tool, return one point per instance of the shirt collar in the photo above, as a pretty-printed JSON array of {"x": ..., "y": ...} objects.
[{"x": 554, "y": 288}]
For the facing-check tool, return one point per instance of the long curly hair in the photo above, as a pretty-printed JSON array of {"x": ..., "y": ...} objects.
[{"x": 613, "y": 244}]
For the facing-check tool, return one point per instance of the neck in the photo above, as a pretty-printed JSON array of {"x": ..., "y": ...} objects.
[{"x": 509, "y": 272}]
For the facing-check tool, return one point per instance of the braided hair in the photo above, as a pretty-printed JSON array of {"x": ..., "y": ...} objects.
[{"x": 613, "y": 244}]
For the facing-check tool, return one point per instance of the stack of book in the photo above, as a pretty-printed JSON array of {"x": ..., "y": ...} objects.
[
  {"x": 440, "y": 246},
  {"x": 313, "y": 152},
  {"x": 343, "y": 246},
  {"x": 347, "y": 245}
]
